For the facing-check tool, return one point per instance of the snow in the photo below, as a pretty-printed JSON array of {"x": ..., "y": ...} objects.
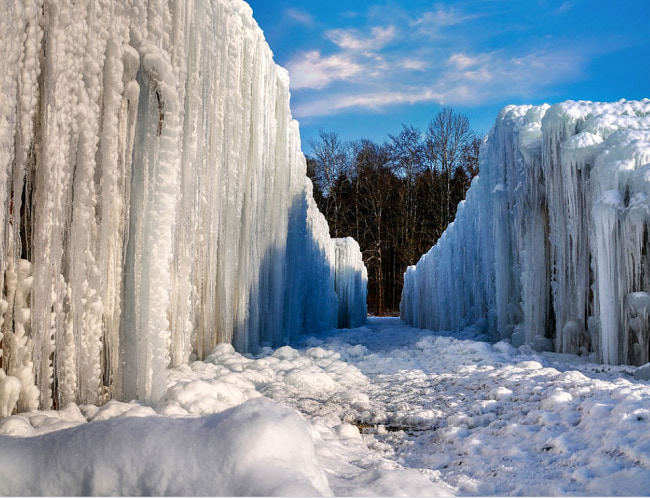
[
  {"x": 380, "y": 410},
  {"x": 255, "y": 449},
  {"x": 153, "y": 200},
  {"x": 552, "y": 239}
]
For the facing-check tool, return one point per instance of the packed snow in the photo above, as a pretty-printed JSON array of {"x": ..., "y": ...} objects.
[
  {"x": 384, "y": 409},
  {"x": 153, "y": 200},
  {"x": 550, "y": 247}
]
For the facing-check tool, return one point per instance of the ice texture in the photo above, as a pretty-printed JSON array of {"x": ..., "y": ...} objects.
[
  {"x": 351, "y": 289},
  {"x": 154, "y": 201},
  {"x": 552, "y": 240}
]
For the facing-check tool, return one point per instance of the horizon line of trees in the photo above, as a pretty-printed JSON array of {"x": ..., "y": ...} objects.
[{"x": 396, "y": 198}]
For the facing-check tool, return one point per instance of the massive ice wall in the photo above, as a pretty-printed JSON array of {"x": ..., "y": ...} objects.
[
  {"x": 153, "y": 198},
  {"x": 552, "y": 245}
]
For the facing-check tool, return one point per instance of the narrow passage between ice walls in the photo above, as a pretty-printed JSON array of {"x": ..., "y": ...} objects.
[
  {"x": 551, "y": 245},
  {"x": 154, "y": 201}
]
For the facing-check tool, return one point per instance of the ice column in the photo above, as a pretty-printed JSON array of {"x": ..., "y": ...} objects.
[{"x": 351, "y": 283}]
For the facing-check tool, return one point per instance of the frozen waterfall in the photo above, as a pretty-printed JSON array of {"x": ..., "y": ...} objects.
[
  {"x": 552, "y": 245},
  {"x": 154, "y": 199}
]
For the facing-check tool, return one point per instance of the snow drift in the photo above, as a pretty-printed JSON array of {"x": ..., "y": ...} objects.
[
  {"x": 255, "y": 449},
  {"x": 550, "y": 246},
  {"x": 153, "y": 195}
]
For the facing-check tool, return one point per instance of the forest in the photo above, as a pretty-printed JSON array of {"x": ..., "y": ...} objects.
[{"x": 394, "y": 198}]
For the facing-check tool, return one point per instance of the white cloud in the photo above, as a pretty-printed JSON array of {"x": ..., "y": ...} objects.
[
  {"x": 565, "y": 7},
  {"x": 340, "y": 102},
  {"x": 300, "y": 16},
  {"x": 312, "y": 70},
  {"x": 498, "y": 75},
  {"x": 396, "y": 62},
  {"x": 431, "y": 22},
  {"x": 463, "y": 79},
  {"x": 414, "y": 64},
  {"x": 352, "y": 39},
  {"x": 357, "y": 55},
  {"x": 463, "y": 61}
]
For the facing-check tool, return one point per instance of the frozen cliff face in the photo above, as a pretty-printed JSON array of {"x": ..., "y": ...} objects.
[
  {"x": 153, "y": 198},
  {"x": 552, "y": 242}
]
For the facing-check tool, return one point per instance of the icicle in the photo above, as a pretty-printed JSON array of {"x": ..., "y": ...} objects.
[{"x": 606, "y": 214}]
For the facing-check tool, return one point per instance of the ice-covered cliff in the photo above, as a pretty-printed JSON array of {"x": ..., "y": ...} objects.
[
  {"x": 552, "y": 245},
  {"x": 153, "y": 198}
]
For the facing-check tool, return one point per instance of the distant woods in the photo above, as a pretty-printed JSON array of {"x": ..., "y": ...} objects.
[{"x": 395, "y": 198}]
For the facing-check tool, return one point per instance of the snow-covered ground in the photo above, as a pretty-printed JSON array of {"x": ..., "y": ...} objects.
[{"x": 386, "y": 409}]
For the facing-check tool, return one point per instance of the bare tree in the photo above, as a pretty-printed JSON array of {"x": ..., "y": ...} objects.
[
  {"x": 407, "y": 158},
  {"x": 448, "y": 138},
  {"x": 331, "y": 158},
  {"x": 377, "y": 191},
  {"x": 407, "y": 153},
  {"x": 395, "y": 198}
]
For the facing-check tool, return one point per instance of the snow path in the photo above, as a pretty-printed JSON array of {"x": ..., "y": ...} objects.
[
  {"x": 387, "y": 410},
  {"x": 491, "y": 419}
]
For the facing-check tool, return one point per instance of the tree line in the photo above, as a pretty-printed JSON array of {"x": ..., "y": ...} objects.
[{"x": 395, "y": 198}]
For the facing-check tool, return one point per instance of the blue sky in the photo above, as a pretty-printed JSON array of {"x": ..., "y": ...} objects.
[{"x": 362, "y": 68}]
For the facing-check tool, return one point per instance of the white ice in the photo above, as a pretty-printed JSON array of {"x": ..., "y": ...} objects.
[{"x": 550, "y": 247}]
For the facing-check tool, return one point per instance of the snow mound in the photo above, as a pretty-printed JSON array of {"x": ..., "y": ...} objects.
[{"x": 255, "y": 449}]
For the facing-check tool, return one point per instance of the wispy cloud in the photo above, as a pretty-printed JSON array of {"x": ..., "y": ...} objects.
[
  {"x": 417, "y": 58},
  {"x": 353, "y": 39},
  {"x": 377, "y": 101},
  {"x": 300, "y": 17},
  {"x": 315, "y": 71},
  {"x": 473, "y": 79},
  {"x": 463, "y": 61},
  {"x": 564, "y": 8},
  {"x": 462, "y": 79},
  {"x": 442, "y": 16},
  {"x": 414, "y": 64},
  {"x": 431, "y": 23},
  {"x": 357, "y": 54}
]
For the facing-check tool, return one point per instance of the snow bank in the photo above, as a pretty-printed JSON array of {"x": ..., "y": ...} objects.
[
  {"x": 153, "y": 199},
  {"x": 255, "y": 449},
  {"x": 551, "y": 242}
]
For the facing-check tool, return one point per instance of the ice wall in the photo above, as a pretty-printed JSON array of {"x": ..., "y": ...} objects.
[
  {"x": 154, "y": 198},
  {"x": 551, "y": 246},
  {"x": 351, "y": 283}
]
